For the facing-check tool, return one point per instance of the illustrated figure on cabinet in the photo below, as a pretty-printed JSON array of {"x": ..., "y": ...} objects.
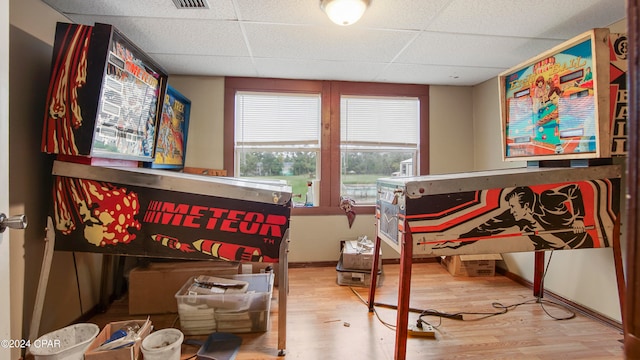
[{"x": 551, "y": 219}]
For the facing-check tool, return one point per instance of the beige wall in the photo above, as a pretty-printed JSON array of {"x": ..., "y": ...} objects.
[{"x": 450, "y": 129}]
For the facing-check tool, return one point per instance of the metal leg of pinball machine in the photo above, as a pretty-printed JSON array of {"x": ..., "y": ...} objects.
[
  {"x": 402, "y": 322},
  {"x": 283, "y": 291},
  {"x": 374, "y": 274},
  {"x": 49, "y": 243}
]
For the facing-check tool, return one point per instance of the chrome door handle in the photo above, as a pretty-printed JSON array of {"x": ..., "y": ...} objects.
[{"x": 14, "y": 222}]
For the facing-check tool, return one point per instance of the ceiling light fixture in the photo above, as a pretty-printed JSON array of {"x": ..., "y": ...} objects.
[{"x": 344, "y": 12}]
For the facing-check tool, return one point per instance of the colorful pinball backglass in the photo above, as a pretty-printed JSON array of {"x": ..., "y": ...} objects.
[
  {"x": 556, "y": 105},
  {"x": 103, "y": 96},
  {"x": 171, "y": 146}
]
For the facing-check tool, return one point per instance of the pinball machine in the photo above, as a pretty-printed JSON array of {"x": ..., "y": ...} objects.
[
  {"x": 564, "y": 113},
  {"x": 106, "y": 119}
]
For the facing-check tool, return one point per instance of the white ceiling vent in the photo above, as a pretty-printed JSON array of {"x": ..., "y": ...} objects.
[{"x": 191, "y": 4}]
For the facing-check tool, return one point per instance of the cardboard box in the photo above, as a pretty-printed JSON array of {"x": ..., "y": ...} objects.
[
  {"x": 205, "y": 309},
  {"x": 471, "y": 265},
  {"x": 152, "y": 289},
  {"x": 358, "y": 257},
  {"x": 125, "y": 353}
]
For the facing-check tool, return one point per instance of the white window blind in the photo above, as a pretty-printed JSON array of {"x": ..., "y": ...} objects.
[
  {"x": 271, "y": 118},
  {"x": 379, "y": 120}
]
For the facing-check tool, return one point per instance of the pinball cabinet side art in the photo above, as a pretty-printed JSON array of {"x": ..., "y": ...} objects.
[{"x": 161, "y": 213}]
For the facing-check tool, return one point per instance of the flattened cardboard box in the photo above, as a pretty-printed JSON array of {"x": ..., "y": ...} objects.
[
  {"x": 471, "y": 265},
  {"x": 152, "y": 289},
  {"x": 125, "y": 353}
]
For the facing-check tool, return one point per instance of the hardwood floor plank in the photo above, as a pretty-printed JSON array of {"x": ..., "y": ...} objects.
[{"x": 329, "y": 321}]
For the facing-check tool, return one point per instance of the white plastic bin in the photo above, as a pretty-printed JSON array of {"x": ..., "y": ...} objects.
[{"x": 68, "y": 343}]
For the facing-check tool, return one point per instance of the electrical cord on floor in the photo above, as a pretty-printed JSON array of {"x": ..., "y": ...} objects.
[
  {"x": 390, "y": 326},
  {"x": 502, "y": 309}
]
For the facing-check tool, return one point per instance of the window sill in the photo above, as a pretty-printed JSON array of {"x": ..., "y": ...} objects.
[{"x": 333, "y": 210}]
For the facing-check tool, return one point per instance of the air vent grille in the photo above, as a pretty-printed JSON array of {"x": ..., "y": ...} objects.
[{"x": 191, "y": 4}]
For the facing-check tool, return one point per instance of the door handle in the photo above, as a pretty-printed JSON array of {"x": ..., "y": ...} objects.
[{"x": 14, "y": 222}]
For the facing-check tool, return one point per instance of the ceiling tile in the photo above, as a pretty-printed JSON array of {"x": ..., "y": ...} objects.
[
  {"x": 452, "y": 42},
  {"x": 472, "y": 50},
  {"x": 317, "y": 43},
  {"x": 436, "y": 75},
  {"x": 318, "y": 69},
  {"x": 218, "y": 9},
  {"x": 178, "y": 36},
  {"x": 206, "y": 65},
  {"x": 539, "y": 19}
]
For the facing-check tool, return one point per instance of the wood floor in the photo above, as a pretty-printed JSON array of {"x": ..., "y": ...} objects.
[{"x": 328, "y": 321}]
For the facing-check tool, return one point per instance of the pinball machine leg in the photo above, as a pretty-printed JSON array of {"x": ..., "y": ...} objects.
[
  {"x": 49, "y": 243},
  {"x": 283, "y": 290},
  {"x": 538, "y": 273},
  {"x": 402, "y": 321},
  {"x": 374, "y": 274}
]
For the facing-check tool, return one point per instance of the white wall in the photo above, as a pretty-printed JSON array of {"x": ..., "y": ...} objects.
[{"x": 5, "y": 263}]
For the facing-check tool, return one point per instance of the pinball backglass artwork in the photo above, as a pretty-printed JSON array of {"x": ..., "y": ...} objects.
[
  {"x": 171, "y": 145},
  {"x": 104, "y": 96},
  {"x": 556, "y": 105}
]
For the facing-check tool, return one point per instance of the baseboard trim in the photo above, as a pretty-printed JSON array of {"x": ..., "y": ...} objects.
[
  {"x": 570, "y": 304},
  {"x": 312, "y": 264}
]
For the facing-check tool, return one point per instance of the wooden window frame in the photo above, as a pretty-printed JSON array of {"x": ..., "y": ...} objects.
[{"x": 330, "y": 93}]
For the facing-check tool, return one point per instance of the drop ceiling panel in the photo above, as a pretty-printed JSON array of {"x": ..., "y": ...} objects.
[
  {"x": 475, "y": 50},
  {"x": 178, "y": 36},
  {"x": 453, "y": 42},
  {"x": 437, "y": 75},
  {"x": 206, "y": 65},
  {"x": 317, "y": 43},
  {"x": 405, "y": 15},
  {"x": 318, "y": 69},
  {"x": 218, "y": 9},
  {"x": 538, "y": 19}
]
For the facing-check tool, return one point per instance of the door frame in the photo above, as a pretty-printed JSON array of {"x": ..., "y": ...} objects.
[{"x": 5, "y": 299}]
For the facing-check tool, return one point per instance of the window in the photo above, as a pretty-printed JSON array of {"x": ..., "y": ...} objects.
[
  {"x": 341, "y": 136},
  {"x": 378, "y": 138},
  {"x": 277, "y": 135}
]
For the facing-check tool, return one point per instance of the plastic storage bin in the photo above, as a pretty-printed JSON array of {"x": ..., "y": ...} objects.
[
  {"x": 355, "y": 277},
  {"x": 68, "y": 343},
  {"x": 239, "y": 311}
]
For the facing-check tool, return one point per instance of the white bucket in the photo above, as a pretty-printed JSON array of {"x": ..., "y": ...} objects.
[
  {"x": 164, "y": 344},
  {"x": 68, "y": 343}
]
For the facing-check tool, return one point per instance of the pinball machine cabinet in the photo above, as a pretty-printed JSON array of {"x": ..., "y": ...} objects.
[
  {"x": 494, "y": 212},
  {"x": 162, "y": 213},
  {"x": 454, "y": 214}
]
